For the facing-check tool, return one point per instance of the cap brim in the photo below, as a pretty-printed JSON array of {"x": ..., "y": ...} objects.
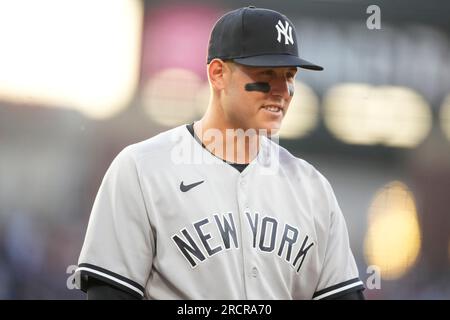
[{"x": 277, "y": 60}]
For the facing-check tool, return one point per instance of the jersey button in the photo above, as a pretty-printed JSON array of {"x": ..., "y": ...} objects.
[
  {"x": 254, "y": 272},
  {"x": 243, "y": 183}
]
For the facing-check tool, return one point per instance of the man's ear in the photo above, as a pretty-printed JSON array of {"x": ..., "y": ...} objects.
[{"x": 218, "y": 72}]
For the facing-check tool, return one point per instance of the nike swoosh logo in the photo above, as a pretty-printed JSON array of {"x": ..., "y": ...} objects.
[{"x": 188, "y": 187}]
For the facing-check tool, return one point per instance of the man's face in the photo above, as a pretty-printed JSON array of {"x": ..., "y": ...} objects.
[{"x": 258, "y": 97}]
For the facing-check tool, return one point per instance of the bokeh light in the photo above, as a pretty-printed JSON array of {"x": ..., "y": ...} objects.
[
  {"x": 170, "y": 97},
  {"x": 202, "y": 99},
  {"x": 176, "y": 36},
  {"x": 302, "y": 115},
  {"x": 367, "y": 115},
  {"x": 393, "y": 238},
  {"x": 48, "y": 57},
  {"x": 445, "y": 116}
]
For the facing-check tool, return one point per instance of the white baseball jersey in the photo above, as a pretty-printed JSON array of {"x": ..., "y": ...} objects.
[{"x": 172, "y": 221}]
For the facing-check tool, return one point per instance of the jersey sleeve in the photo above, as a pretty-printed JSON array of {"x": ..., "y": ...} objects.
[
  {"x": 339, "y": 274},
  {"x": 118, "y": 246}
]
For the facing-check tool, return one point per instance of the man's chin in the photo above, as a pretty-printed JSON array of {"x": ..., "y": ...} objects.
[
  {"x": 270, "y": 128},
  {"x": 267, "y": 128}
]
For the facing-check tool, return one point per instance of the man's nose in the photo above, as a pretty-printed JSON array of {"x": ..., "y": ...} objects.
[{"x": 280, "y": 87}]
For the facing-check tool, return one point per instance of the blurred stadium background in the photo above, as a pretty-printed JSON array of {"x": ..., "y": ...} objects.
[{"x": 79, "y": 80}]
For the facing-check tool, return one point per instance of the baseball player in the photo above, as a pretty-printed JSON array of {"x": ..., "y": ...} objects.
[{"x": 216, "y": 209}]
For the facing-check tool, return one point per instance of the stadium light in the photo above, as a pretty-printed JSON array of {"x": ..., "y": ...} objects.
[
  {"x": 387, "y": 115},
  {"x": 393, "y": 237},
  {"x": 71, "y": 54},
  {"x": 445, "y": 116}
]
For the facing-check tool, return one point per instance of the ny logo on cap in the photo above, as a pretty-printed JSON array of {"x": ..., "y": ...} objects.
[{"x": 286, "y": 30}]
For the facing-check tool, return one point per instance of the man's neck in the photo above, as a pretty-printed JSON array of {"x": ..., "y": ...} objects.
[{"x": 226, "y": 141}]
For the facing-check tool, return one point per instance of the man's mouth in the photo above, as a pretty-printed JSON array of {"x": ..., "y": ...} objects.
[{"x": 273, "y": 108}]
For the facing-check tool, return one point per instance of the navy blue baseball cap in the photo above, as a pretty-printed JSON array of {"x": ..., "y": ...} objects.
[{"x": 256, "y": 37}]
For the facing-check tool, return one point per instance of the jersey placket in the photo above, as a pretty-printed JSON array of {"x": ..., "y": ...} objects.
[{"x": 250, "y": 270}]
